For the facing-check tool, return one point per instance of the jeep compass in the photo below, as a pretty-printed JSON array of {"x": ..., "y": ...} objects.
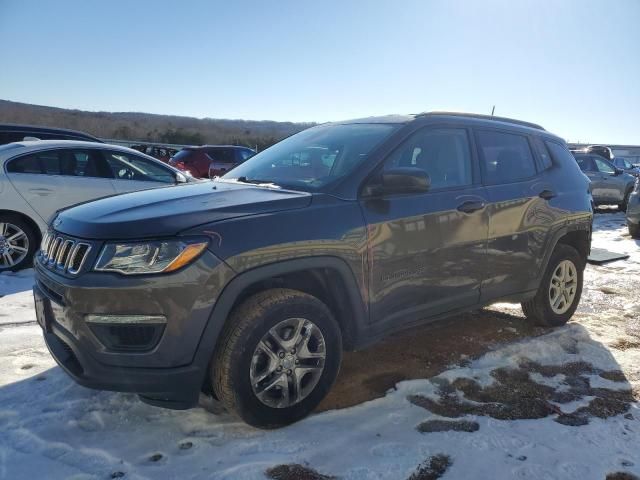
[{"x": 250, "y": 287}]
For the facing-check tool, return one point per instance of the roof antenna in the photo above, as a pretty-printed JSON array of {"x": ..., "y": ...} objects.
[{"x": 493, "y": 110}]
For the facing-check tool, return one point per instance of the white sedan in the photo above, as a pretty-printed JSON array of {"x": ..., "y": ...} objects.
[{"x": 38, "y": 178}]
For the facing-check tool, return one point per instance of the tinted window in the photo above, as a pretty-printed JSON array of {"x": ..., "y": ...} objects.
[
  {"x": 585, "y": 163},
  {"x": 543, "y": 153},
  {"x": 125, "y": 166},
  {"x": 221, "y": 155},
  {"x": 506, "y": 157},
  {"x": 603, "y": 166},
  {"x": 27, "y": 164},
  {"x": 443, "y": 154}
]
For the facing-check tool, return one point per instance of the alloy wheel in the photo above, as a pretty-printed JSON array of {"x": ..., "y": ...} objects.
[
  {"x": 563, "y": 287},
  {"x": 288, "y": 363},
  {"x": 14, "y": 245}
]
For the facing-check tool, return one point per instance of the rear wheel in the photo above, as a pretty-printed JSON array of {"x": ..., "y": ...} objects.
[
  {"x": 18, "y": 243},
  {"x": 278, "y": 357},
  {"x": 634, "y": 230},
  {"x": 560, "y": 290}
]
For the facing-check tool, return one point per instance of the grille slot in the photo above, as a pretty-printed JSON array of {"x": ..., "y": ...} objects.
[{"x": 63, "y": 254}]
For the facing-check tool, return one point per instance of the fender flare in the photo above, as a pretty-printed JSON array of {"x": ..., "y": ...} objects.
[
  {"x": 225, "y": 302},
  {"x": 555, "y": 238}
]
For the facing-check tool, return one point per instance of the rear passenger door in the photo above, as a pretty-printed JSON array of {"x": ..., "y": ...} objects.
[
  {"x": 519, "y": 213},
  {"x": 55, "y": 179}
]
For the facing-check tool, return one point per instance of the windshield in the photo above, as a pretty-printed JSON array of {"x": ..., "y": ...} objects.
[{"x": 313, "y": 158}]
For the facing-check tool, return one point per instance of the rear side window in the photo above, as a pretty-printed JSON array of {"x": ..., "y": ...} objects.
[
  {"x": 506, "y": 157},
  {"x": 27, "y": 164},
  {"x": 221, "y": 156}
]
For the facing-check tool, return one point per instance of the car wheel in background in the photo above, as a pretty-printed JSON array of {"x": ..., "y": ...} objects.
[
  {"x": 560, "y": 290},
  {"x": 623, "y": 206},
  {"x": 278, "y": 357},
  {"x": 18, "y": 243}
]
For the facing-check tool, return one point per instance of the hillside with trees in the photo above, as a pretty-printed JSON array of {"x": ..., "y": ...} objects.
[{"x": 147, "y": 127}]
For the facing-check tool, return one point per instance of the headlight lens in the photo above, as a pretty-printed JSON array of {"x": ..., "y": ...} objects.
[{"x": 137, "y": 258}]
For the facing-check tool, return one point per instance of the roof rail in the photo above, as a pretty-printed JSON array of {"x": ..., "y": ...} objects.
[{"x": 483, "y": 117}]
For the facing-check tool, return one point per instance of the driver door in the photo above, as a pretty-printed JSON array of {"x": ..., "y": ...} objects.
[
  {"x": 610, "y": 185},
  {"x": 427, "y": 251}
]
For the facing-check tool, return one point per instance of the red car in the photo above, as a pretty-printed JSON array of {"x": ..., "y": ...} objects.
[{"x": 210, "y": 160}]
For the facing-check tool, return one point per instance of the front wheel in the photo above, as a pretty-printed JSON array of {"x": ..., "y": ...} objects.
[
  {"x": 559, "y": 292},
  {"x": 18, "y": 243},
  {"x": 277, "y": 359}
]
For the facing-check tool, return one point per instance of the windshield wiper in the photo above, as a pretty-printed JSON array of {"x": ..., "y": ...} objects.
[{"x": 255, "y": 181}]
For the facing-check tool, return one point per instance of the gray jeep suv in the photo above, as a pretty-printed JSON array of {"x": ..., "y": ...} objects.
[{"x": 251, "y": 286}]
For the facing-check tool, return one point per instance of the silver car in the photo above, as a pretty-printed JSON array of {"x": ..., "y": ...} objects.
[
  {"x": 609, "y": 184},
  {"x": 37, "y": 178}
]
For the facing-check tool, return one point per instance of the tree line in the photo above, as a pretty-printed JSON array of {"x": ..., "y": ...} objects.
[{"x": 146, "y": 127}]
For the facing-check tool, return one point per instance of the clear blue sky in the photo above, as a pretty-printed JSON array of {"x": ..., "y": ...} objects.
[{"x": 571, "y": 65}]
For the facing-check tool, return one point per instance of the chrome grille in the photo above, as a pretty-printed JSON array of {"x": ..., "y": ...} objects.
[{"x": 63, "y": 254}]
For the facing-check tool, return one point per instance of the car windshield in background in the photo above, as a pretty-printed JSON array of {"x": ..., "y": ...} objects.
[{"x": 313, "y": 158}]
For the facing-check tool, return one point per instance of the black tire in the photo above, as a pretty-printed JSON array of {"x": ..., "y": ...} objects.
[
  {"x": 625, "y": 203},
  {"x": 538, "y": 310},
  {"x": 32, "y": 237},
  {"x": 247, "y": 325},
  {"x": 634, "y": 230}
]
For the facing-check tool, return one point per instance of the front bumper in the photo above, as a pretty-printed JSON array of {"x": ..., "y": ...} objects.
[{"x": 166, "y": 374}]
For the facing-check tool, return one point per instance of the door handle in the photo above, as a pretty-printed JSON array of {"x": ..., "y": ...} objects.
[
  {"x": 470, "y": 206},
  {"x": 40, "y": 191},
  {"x": 547, "y": 194}
]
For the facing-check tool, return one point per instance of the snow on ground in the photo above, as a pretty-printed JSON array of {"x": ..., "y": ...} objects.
[{"x": 52, "y": 428}]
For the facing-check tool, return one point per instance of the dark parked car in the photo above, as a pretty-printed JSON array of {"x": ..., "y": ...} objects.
[
  {"x": 609, "y": 184},
  {"x": 633, "y": 211},
  {"x": 210, "y": 160},
  {"x": 10, "y": 132},
  {"x": 251, "y": 286}
]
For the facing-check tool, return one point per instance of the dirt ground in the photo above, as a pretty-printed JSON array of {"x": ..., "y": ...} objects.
[
  {"x": 609, "y": 298},
  {"x": 423, "y": 352}
]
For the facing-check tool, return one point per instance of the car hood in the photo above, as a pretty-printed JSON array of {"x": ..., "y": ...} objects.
[{"x": 168, "y": 211}]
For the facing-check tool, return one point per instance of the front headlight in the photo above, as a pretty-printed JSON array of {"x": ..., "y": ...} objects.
[{"x": 137, "y": 258}]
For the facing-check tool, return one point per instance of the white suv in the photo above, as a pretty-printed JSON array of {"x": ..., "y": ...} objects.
[{"x": 38, "y": 178}]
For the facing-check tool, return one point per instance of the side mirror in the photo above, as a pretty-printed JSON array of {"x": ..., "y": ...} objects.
[
  {"x": 400, "y": 180},
  {"x": 180, "y": 178},
  {"x": 618, "y": 171}
]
